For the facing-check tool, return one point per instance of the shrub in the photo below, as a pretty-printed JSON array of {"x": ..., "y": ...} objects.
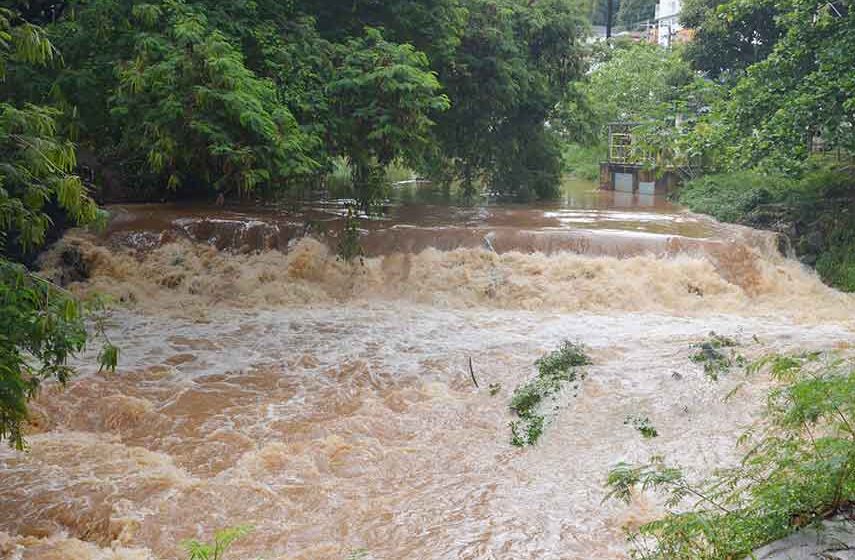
[
  {"x": 800, "y": 468},
  {"x": 583, "y": 162},
  {"x": 729, "y": 197}
]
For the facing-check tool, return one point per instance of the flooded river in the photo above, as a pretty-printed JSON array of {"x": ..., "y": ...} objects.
[{"x": 330, "y": 406}]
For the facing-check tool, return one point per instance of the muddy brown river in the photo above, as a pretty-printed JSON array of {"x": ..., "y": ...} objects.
[{"x": 330, "y": 406}]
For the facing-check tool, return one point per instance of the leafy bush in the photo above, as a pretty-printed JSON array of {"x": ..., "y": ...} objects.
[
  {"x": 837, "y": 266},
  {"x": 800, "y": 468},
  {"x": 819, "y": 205},
  {"x": 729, "y": 197},
  {"x": 553, "y": 371}
]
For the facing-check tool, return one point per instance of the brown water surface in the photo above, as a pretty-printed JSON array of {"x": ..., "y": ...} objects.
[{"x": 330, "y": 405}]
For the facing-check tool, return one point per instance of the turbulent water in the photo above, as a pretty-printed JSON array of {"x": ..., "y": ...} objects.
[{"x": 262, "y": 381}]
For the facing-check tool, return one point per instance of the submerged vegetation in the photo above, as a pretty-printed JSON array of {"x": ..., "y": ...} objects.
[
  {"x": 643, "y": 425},
  {"x": 799, "y": 469},
  {"x": 718, "y": 355},
  {"x": 554, "y": 371}
]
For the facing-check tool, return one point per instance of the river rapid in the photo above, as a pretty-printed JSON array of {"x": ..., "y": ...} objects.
[{"x": 330, "y": 405}]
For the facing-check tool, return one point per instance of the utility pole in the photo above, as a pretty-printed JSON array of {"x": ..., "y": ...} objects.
[{"x": 609, "y": 15}]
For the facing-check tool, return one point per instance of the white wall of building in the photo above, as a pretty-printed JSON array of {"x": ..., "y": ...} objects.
[{"x": 668, "y": 21}]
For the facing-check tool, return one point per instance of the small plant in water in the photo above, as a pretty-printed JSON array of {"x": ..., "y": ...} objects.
[
  {"x": 217, "y": 549},
  {"x": 349, "y": 247},
  {"x": 553, "y": 371},
  {"x": 643, "y": 425},
  {"x": 717, "y": 355}
]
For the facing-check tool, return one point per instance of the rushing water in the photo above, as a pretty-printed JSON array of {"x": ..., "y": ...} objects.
[{"x": 262, "y": 381}]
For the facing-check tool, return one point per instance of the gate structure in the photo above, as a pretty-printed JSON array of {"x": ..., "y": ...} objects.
[{"x": 628, "y": 170}]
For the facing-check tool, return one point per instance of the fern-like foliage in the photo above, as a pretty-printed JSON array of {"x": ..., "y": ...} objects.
[
  {"x": 216, "y": 549},
  {"x": 799, "y": 468},
  {"x": 41, "y": 325}
]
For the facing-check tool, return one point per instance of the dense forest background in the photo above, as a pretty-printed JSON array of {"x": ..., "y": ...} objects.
[
  {"x": 191, "y": 97},
  {"x": 148, "y": 100}
]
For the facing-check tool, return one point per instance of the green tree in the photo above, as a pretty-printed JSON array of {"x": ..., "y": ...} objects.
[
  {"x": 36, "y": 164},
  {"x": 382, "y": 98},
  {"x": 188, "y": 103},
  {"x": 638, "y": 82},
  {"x": 434, "y": 27},
  {"x": 209, "y": 95},
  {"x": 509, "y": 75},
  {"x": 41, "y": 326},
  {"x": 802, "y": 88},
  {"x": 729, "y": 36}
]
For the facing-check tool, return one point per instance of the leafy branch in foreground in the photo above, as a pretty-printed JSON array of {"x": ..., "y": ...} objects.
[
  {"x": 553, "y": 371},
  {"x": 800, "y": 468},
  {"x": 41, "y": 325}
]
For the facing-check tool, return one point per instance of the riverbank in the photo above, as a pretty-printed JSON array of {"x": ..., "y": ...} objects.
[{"x": 816, "y": 214}]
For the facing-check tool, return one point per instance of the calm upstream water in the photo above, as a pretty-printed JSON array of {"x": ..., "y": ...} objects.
[{"x": 262, "y": 381}]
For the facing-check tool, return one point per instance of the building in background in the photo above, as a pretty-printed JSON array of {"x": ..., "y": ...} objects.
[{"x": 667, "y": 28}]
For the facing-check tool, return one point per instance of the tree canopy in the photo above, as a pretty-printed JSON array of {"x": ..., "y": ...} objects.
[
  {"x": 795, "y": 82},
  {"x": 728, "y": 36},
  {"x": 206, "y": 96}
]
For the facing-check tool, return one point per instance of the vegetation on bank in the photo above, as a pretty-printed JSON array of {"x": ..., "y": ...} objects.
[
  {"x": 798, "y": 469},
  {"x": 816, "y": 211},
  {"x": 41, "y": 325}
]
